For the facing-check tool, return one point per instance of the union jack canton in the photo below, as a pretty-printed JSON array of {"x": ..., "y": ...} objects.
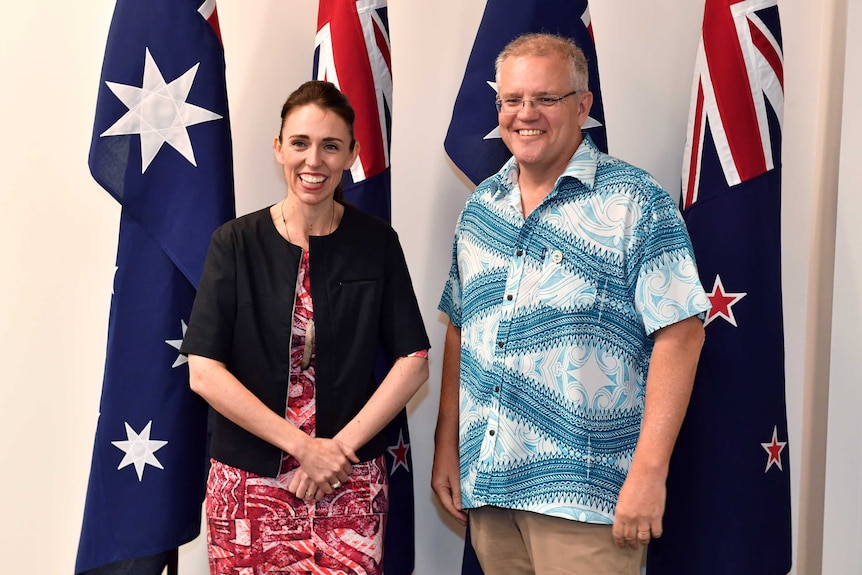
[{"x": 352, "y": 51}]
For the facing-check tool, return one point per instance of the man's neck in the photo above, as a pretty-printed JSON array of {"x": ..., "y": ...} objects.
[
  {"x": 536, "y": 182},
  {"x": 533, "y": 191}
]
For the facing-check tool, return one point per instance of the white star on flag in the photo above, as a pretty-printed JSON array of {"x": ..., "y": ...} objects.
[
  {"x": 495, "y": 133},
  {"x": 159, "y": 112},
  {"x": 176, "y": 344},
  {"x": 139, "y": 449}
]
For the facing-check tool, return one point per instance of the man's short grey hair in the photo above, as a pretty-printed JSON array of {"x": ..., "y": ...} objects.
[{"x": 544, "y": 45}]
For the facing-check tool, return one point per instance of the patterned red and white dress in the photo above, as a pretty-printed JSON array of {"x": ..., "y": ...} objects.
[{"x": 256, "y": 527}]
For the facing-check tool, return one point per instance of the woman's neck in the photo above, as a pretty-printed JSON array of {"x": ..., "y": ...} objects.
[{"x": 296, "y": 221}]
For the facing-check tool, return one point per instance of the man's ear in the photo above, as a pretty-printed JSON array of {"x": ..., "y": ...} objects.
[{"x": 585, "y": 103}]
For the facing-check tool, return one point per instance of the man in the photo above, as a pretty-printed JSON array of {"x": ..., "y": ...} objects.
[{"x": 574, "y": 333}]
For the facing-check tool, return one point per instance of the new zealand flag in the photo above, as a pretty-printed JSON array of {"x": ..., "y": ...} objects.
[
  {"x": 728, "y": 506},
  {"x": 352, "y": 52},
  {"x": 473, "y": 140},
  {"x": 161, "y": 147}
]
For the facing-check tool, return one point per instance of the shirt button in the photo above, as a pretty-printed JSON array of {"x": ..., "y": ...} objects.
[
  {"x": 491, "y": 433},
  {"x": 500, "y": 343},
  {"x": 519, "y": 253},
  {"x": 509, "y": 297},
  {"x": 496, "y": 389}
]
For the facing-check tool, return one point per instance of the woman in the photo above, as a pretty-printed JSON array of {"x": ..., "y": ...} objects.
[{"x": 292, "y": 305}]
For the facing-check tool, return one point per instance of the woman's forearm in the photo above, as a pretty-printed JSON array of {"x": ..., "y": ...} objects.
[
  {"x": 211, "y": 380},
  {"x": 400, "y": 384}
]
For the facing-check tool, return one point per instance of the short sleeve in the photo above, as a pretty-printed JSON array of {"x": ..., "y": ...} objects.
[
  {"x": 213, "y": 319},
  {"x": 668, "y": 289},
  {"x": 450, "y": 301}
]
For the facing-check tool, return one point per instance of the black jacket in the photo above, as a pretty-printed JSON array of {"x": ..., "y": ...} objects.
[{"x": 363, "y": 299}]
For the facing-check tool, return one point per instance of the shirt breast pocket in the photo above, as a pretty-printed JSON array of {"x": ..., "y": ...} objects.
[{"x": 561, "y": 287}]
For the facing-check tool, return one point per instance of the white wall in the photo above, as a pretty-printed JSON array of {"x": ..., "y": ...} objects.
[
  {"x": 58, "y": 232},
  {"x": 843, "y": 503}
]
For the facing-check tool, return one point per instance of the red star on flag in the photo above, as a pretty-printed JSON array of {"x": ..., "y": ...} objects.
[
  {"x": 399, "y": 454},
  {"x": 774, "y": 449},
  {"x": 722, "y": 303}
]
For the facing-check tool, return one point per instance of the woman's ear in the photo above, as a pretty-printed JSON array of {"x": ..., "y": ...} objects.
[
  {"x": 353, "y": 155},
  {"x": 276, "y": 148}
]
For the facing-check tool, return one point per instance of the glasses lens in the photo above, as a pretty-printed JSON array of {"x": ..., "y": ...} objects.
[{"x": 509, "y": 105}]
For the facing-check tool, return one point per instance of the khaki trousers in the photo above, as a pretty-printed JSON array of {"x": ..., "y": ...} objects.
[{"x": 514, "y": 542}]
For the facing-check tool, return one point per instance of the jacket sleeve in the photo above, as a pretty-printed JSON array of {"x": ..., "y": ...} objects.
[
  {"x": 213, "y": 317},
  {"x": 401, "y": 325}
]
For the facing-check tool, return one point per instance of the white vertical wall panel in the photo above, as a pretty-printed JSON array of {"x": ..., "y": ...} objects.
[{"x": 842, "y": 532}]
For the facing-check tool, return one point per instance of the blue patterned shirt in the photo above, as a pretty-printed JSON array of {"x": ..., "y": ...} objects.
[{"x": 556, "y": 314}]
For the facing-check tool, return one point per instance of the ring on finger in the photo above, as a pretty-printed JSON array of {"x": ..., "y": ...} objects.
[
  {"x": 336, "y": 485},
  {"x": 309, "y": 494}
]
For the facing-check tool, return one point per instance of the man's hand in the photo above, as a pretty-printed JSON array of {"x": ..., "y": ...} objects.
[
  {"x": 641, "y": 502},
  {"x": 446, "y": 480},
  {"x": 640, "y": 508},
  {"x": 446, "y": 471}
]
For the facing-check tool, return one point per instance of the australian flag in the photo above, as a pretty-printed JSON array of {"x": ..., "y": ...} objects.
[
  {"x": 728, "y": 506},
  {"x": 473, "y": 140},
  {"x": 352, "y": 52},
  {"x": 161, "y": 147}
]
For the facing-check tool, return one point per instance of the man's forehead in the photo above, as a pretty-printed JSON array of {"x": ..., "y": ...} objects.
[
  {"x": 546, "y": 71},
  {"x": 552, "y": 85}
]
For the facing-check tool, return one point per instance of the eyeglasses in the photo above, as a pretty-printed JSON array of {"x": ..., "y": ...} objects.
[{"x": 515, "y": 105}]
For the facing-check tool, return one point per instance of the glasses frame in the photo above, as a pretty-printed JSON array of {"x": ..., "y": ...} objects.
[{"x": 547, "y": 102}]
